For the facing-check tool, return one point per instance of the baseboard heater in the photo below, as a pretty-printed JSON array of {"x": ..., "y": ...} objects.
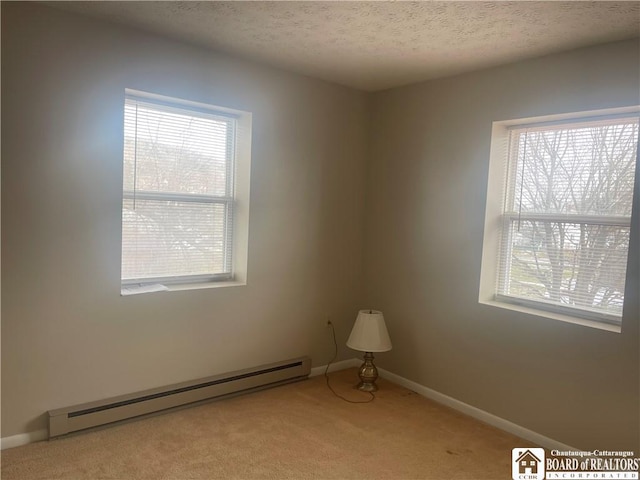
[{"x": 102, "y": 412}]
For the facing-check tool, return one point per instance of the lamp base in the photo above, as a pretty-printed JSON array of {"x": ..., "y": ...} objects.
[{"x": 368, "y": 374}]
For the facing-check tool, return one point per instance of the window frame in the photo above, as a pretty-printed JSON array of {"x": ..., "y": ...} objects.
[
  {"x": 497, "y": 221},
  {"x": 235, "y": 200}
]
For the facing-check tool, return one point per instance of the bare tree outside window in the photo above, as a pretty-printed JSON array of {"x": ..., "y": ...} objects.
[{"x": 567, "y": 214}]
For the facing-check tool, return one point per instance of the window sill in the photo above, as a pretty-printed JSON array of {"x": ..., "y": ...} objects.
[
  {"x": 145, "y": 289},
  {"x": 552, "y": 315}
]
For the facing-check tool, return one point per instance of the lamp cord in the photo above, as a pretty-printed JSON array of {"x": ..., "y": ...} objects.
[{"x": 326, "y": 372}]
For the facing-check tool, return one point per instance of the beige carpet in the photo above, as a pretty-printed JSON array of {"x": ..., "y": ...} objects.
[{"x": 296, "y": 431}]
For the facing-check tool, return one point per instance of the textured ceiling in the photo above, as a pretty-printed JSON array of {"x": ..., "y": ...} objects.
[{"x": 377, "y": 45}]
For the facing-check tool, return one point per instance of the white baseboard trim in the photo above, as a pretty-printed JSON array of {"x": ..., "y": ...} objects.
[
  {"x": 334, "y": 367},
  {"x": 476, "y": 413},
  {"x": 486, "y": 417},
  {"x": 23, "y": 439}
]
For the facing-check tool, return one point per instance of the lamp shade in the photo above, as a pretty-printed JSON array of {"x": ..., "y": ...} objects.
[{"x": 369, "y": 333}]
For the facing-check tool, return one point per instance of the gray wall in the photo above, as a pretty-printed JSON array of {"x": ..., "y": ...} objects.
[
  {"x": 67, "y": 334},
  {"x": 425, "y": 217}
]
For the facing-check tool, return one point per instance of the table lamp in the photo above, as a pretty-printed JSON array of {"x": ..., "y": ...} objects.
[{"x": 369, "y": 335}]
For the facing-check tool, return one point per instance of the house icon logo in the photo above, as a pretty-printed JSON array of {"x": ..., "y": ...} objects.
[{"x": 527, "y": 463}]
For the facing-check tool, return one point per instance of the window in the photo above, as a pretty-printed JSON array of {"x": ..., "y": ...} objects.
[
  {"x": 557, "y": 239},
  {"x": 180, "y": 200}
]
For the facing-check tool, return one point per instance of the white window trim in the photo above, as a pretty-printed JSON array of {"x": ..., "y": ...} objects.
[
  {"x": 493, "y": 225},
  {"x": 241, "y": 200}
]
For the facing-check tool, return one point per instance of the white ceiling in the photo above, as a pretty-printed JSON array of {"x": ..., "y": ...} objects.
[{"x": 375, "y": 45}]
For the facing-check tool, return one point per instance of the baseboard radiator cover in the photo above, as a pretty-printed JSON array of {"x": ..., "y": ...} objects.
[{"x": 93, "y": 414}]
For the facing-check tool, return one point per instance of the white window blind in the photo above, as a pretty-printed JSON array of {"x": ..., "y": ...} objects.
[
  {"x": 178, "y": 199},
  {"x": 566, "y": 216}
]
